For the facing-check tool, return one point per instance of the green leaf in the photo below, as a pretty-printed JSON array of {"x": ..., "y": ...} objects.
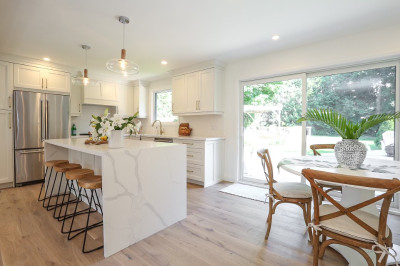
[{"x": 344, "y": 127}]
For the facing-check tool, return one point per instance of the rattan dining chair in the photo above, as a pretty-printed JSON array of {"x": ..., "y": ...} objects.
[
  {"x": 351, "y": 226},
  {"x": 284, "y": 192},
  {"x": 327, "y": 187}
]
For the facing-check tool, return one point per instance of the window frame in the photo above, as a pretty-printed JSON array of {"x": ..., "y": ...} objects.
[{"x": 153, "y": 108}]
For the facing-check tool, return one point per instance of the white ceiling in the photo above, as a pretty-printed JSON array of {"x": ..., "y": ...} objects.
[{"x": 183, "y": 32}]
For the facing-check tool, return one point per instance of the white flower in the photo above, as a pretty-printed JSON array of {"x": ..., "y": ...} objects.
[{"x": 105, "y": 128}]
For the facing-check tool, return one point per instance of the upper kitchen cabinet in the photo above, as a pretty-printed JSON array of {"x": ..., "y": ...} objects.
[
  {"x": 125, "y": 106},
  {"x": 179, "y": 94},
  {"x": 30, "y": 77},
  {"x": 101, "y": 93},
  {"x": 140, "y": 99},
  {"x": 57, "y": 81},
  {"x": 198, "y": 92},
  {"x": 6, "y": 85},
  {"x": 76, "y": 99}
]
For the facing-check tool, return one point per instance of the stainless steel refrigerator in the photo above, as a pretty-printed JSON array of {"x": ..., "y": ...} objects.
[{"x": 37, "y": 116}]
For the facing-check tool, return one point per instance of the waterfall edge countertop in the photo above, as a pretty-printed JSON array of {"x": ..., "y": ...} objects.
[
  {"x": 78, "y": 144},
  {"x": 144, "y": 185}
]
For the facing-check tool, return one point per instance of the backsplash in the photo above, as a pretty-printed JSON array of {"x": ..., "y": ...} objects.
[{"x": 82, "y": 122}]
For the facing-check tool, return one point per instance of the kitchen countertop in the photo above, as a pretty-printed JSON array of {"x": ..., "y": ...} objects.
[
  {"x": 179, "y": 137},
  {"x": 78, "y": 144}
]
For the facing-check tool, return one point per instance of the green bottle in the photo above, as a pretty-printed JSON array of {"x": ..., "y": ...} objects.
[{"x": 73, "y": 130}]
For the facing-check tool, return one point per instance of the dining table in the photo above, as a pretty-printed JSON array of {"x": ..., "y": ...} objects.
[{"x": 351, "y": 195}]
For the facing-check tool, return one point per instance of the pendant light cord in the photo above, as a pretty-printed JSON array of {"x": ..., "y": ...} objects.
[
  {"x": 86, "y": 58},
  {"x": 123, "y": 37}
]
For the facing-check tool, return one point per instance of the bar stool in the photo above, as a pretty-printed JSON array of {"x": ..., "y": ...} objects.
[
  {"x": 49, "y": 164},
  {"x": 88, "y": 183},
  {"x": 62, "y": 168},
  {"x": 72, "y": 176}
]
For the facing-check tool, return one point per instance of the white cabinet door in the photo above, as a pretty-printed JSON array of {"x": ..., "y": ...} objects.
[
  {"x": 92, "y": 92},
  {"x": 6, "y": 85},
  {"x": 192, "y": 82},
  {"x": 179, "y": 95},
  {"x": 28, "y": 77},
  {"x": 57, "y": 81},
  {"x": 140, "y": 100},
  {"x": 109, "y": 91},
  {"x": 207, "y": 89},
  {"x": 6, "y": 156},
  {"x": 76, "y": 99}
]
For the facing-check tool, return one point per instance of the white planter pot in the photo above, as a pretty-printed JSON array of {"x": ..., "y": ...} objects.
[
  {"x": 116, "y": 139},
  {"x": 350, "y": 153}
]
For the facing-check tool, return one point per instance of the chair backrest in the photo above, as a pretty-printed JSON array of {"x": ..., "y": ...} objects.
[
  {"x": 388, "y": 137},
  {"x": 316, "y": 147},
  {"x": 267, "y": 167},
  {"x": 390, "y": 185}
]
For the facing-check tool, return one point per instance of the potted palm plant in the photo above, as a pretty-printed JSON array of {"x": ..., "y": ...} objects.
[{"x": 349, "y": 152}]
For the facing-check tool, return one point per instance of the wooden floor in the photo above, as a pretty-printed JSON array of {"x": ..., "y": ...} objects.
[{"x": 220, "y": 229}]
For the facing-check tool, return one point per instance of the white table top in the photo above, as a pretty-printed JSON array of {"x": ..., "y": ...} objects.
[{"x": 373, "y": 168}]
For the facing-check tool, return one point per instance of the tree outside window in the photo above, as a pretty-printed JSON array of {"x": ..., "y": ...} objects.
[{"x": 163, "y": 107}]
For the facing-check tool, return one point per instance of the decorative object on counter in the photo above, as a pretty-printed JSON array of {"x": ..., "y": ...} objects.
[
  {"x": 97, "y": 142},
  {"x": 73, "y": 130},
  {"x": 184, "y": 129},
  {"x": 85, "y": 79},
  {"x": 123, "y": 66},
  {"x": 350, "y": 153},
  {"x": 113, "y": 128}
]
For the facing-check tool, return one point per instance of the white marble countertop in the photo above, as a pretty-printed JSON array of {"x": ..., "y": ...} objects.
[
  {"x": 78, "y": 144},
  {"x": 180, "y": 137}
]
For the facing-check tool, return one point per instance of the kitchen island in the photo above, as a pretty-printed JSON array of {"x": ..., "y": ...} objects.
[{"x": 144, "y": 185}]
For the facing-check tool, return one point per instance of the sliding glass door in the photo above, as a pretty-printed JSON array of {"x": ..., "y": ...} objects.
[
  {"x": 271, "y": 107},
  {"x": 269, "y": 112}
]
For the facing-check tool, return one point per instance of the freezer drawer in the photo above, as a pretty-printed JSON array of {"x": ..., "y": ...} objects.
[{"x": 29, "y": 165}]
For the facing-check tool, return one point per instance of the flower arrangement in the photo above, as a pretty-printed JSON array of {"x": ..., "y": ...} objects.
[{"x": 101, "y": 126}]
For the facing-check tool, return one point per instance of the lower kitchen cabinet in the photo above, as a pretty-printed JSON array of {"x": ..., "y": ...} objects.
[
  {"x": 6, "y": 146},
  {"x": 204, "y": 161}
]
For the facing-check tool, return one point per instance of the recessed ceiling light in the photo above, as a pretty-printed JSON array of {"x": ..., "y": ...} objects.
[
  {"x": 163, "y": 62},
  {"x": 46, "y": 59},
  {"x": 275, "y": 37}
]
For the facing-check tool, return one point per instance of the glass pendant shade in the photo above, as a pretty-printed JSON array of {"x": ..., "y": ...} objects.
[
  {"x": 122, "y": 65},
  {"x": 85, "y": 81}
]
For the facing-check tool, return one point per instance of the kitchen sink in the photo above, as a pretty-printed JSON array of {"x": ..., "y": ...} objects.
[{"x": 167, "y": 140}]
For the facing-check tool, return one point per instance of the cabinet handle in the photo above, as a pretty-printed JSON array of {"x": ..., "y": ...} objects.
[
  {"x": 79, "y": 108},
  {"x": 42, "y": 83},
  {"x": 199, "y": 105},
  {"x": 9, "y": 101},
  {"x": 9, "y": 120},
  {"x": 188, "y": 155},
  {"x": 189, "y": 171},
  {"x": 173, "y": 107},
  {"x": 46, "y": 83},
  {"x": 187, "y": 143}
]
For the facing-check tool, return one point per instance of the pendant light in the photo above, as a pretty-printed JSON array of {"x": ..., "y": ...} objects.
[
  {"x": 122, "y": 65},
  {"x": 85, "y": 79}
]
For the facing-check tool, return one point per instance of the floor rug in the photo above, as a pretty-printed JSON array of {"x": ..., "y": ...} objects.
[{"x": 246, "y": 191}]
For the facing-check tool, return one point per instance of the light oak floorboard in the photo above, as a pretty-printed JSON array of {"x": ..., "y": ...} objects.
[{"x": 220, "y": 229}]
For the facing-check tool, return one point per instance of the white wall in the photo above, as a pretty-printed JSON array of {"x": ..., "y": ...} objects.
[
  {"x": 365, "y": 47},
  {"x": 82, "y": 122}
]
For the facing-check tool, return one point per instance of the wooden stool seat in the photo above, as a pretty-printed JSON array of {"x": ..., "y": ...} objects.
[
  {"x": 66, "y": 167},
  {"x": 79, "y": 173},
  {"x": 90, "y": 182},
  {"x": 55, "y": 162}
]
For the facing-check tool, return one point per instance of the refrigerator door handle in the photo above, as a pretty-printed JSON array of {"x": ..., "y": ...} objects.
[
  {"x": 47, "y": 119},
  {"x": 41, "y": 120},
  {"x": 31, "y": 151}
]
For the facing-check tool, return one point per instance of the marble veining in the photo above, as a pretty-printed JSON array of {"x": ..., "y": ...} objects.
[{"x": 144, "y": 187}]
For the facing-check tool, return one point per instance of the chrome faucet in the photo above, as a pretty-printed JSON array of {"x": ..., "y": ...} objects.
[{"x": 161, "y": 130}]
